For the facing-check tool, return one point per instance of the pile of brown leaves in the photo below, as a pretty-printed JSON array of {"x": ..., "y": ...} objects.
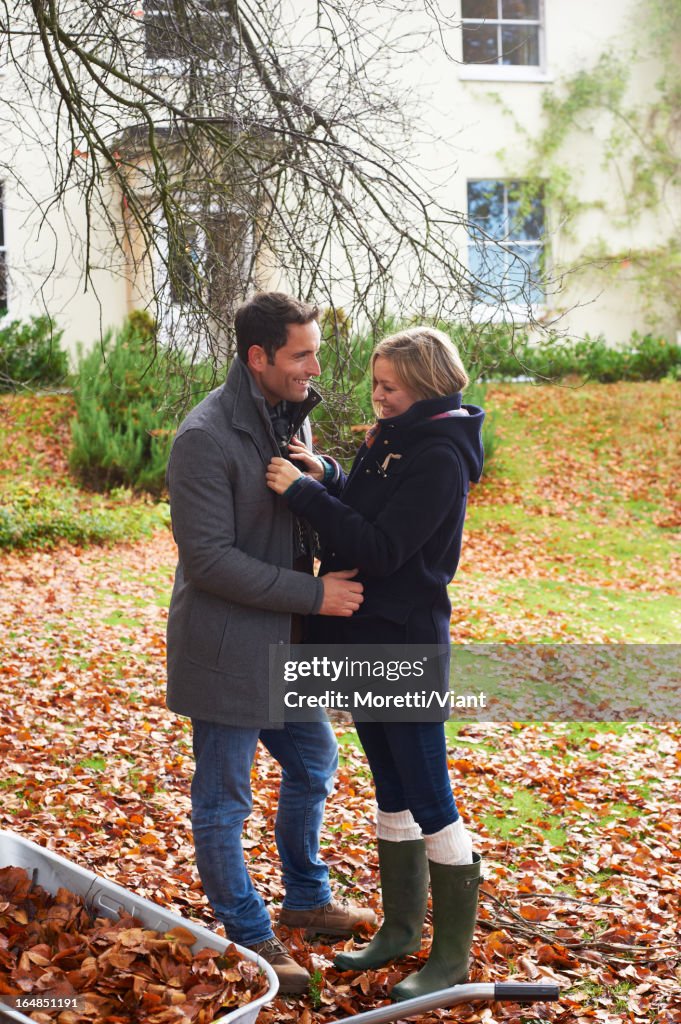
[{"x": 119, "y": 970}]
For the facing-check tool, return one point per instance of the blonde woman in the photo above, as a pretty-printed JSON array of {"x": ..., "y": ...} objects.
[{"x": 398, "y": 517}]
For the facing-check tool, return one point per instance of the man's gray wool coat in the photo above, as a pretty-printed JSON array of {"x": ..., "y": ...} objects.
[{"x": 234, "y": 587}]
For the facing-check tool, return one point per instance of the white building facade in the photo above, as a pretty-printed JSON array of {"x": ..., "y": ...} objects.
[
  {"x": 546, "y": 122},
  {"x": 558, "y": 115}
]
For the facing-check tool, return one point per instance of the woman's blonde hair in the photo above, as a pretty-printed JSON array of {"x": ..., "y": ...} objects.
[{"x": 425, "y": 360}]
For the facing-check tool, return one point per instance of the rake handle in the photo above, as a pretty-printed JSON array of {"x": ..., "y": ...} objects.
[{"x": 516, "y": 992}]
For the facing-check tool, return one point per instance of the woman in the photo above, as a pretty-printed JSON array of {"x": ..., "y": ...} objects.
[{"x": 398, "y": 518}]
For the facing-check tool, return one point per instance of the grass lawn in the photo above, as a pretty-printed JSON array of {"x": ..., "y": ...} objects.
[{"x": 575, "y": 535}]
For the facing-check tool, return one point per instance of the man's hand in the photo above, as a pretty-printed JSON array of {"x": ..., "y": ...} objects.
[
  {"x": 342, "y": 596},
  {"x": 280, "y": 474}
]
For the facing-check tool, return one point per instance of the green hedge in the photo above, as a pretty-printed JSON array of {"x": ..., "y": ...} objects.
[
  {"x": 30, "y": 355},
  {"x": 496, "y": 353}
]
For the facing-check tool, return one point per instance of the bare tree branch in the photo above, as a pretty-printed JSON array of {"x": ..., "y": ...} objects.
[{"x": 220, "y": 145}]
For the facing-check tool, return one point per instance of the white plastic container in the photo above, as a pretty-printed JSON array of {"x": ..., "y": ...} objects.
[{"x": 106, "y": 897}]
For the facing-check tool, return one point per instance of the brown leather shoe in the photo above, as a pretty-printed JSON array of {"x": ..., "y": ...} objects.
[
  {"x": 293, "y": 979},
  {"x": 338, "y": 918}
]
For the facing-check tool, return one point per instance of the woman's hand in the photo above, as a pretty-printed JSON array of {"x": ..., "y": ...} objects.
[
  {"x": 310, "y": 463},
  {"x": 280, "y": 474}
]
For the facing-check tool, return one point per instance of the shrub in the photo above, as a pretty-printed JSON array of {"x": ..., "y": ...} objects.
[
  {"x": 498, "y": 353},
  {"x": 124, "y": 423},
  {"x": 30, "y": 354},
  {"x": 654, "y": 358},
  {"x": 488, "y": 350},
  {"x": 33, "y": 515}
]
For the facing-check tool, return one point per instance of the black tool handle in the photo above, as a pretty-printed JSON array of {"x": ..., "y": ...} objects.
[{"x": 518, "y": 992}]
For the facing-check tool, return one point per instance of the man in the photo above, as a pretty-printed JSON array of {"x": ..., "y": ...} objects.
[{"x": 244, "y": 573}]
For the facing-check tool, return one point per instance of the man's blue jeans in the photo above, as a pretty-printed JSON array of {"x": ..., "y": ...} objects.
[{"x": 221, "y": 802}]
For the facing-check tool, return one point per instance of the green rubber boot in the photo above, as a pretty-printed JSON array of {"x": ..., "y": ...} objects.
[
  {"x": 455, "y": 902},
  {"x": 404, "y": 885}
]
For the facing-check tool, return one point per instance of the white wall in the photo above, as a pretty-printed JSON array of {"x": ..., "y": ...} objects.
[{"x": 46, "y": 250}]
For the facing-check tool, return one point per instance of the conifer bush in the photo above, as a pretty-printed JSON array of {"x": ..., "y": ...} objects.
[{"x": 124, "y": 426}]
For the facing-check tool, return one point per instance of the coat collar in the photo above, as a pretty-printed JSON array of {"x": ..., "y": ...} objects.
[
  {"x": 423, "y": 410},
  {"x": 400, "y": 429},
  {"x": 249, "y": 408}
]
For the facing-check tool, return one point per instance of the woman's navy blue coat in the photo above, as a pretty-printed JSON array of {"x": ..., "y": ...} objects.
[{"x": 398, "y": 517}]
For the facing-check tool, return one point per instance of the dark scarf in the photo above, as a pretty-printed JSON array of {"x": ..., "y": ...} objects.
[{"x": 282, "y": 418}]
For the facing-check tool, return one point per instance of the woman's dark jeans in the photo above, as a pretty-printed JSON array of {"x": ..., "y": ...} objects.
[{"x": 409, "y": 763}]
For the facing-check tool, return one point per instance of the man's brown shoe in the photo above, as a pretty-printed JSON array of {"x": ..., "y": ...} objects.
[
  {"x": 293, "y": 979},
  {"x": 339, "y": 919}
]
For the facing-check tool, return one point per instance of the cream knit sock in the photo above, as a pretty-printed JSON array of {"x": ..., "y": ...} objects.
[
  {"x": 398, "y": 827},
  {"x": 451, "y": 845}
]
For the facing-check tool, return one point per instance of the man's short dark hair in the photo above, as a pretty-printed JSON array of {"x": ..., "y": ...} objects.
[{"x": 263, "y": 320}]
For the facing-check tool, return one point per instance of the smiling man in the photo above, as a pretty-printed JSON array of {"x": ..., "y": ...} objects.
[{"x": 243, "y": 580}]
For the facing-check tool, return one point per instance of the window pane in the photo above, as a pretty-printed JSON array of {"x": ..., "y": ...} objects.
[
  {"x": 525, "y": 215},
  {"x": 510, "y": 271},
  {"x": 527, "y": 10},
  {"x": 520, "y": 45},
  {"x": 523, "y": 278},
  {"x": 160, "y": 35},
  {"x": 515, "y": 280},
  {"x": 488, "y": 265},
  {"x": 486, "y": 207},
  {"x": 479, "y": 9},
  {"x": 210, "y": 38},
  {"x": 184, "y": 264},
  {"x": 480, "y": 44},
  {"x": 511, "y": 274}
]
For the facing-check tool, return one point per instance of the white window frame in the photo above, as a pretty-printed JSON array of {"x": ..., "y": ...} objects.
[
  {"x": 508, "y": 72},
  {"x": 483, "y": 312}
]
